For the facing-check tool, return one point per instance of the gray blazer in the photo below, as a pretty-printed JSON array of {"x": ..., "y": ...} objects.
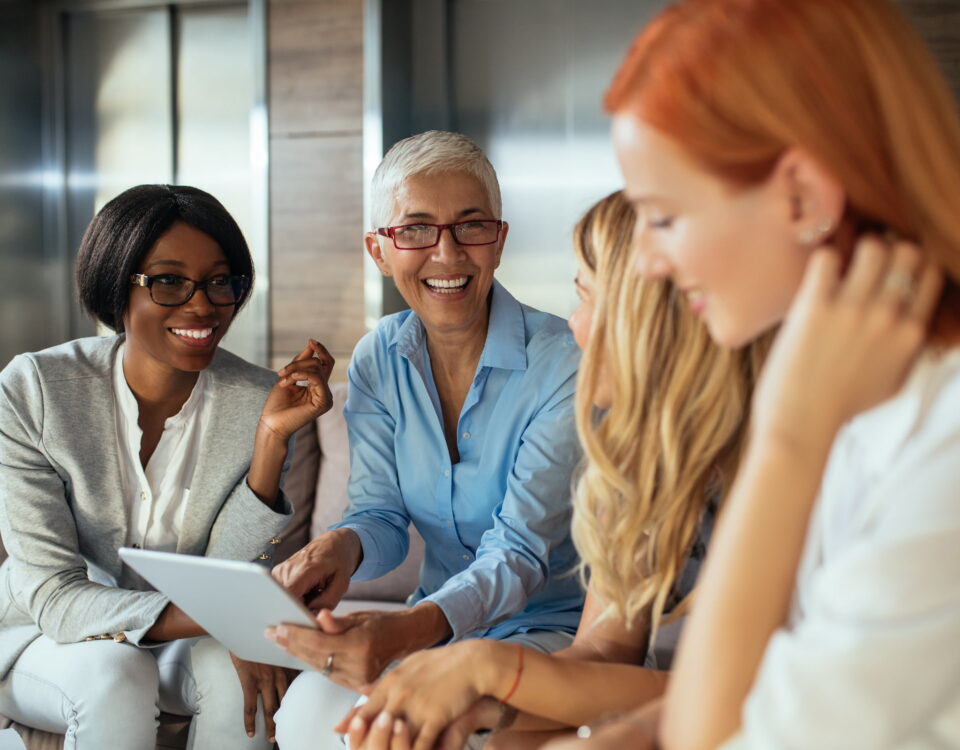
[{"x": 62, "y": 513}]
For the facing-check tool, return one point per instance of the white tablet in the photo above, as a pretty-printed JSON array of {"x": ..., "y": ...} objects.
[{"x": 233, "y": 601}]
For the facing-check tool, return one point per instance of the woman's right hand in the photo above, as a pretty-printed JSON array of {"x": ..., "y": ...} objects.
[{"x": 319, "y": 573}]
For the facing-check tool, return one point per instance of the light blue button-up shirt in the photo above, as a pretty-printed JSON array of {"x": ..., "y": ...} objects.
[{"x": 499, "y": 558}]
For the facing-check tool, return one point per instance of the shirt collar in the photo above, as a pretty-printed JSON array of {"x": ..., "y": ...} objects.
[{"x": 506, "y": 344}]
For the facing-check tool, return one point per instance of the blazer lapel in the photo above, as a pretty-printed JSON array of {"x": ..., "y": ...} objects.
[{"x": 225, "y": 457}]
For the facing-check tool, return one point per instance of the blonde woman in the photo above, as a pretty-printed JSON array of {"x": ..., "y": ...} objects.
[{"x": 676, "y": 408}]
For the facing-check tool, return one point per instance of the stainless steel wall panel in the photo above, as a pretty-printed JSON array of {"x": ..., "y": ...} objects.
[
  {"x": 527, "y": 82},
  {"x": 214, "y": 84},
  {"x": 33, "y": 289},
  {"x": 118, "y": 118}
]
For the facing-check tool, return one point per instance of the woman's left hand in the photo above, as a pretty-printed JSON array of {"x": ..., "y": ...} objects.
[
  {"x": 429, "y": 689},
  {"x": 290, "y": 406},
  {"x": 266, "y": 681},
  {"x": 848, "y": 341}
]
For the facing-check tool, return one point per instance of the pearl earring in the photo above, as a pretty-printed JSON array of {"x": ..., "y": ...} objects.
[{"x": 812, "y": 235}]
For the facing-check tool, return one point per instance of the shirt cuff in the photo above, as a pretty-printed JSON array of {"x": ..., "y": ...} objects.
[
  {"x": 462, "y": 608},
  {"x": 372, "y": 565}
]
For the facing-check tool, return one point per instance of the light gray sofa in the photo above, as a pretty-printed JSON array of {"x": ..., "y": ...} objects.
[{"x": 317, "y": 485}]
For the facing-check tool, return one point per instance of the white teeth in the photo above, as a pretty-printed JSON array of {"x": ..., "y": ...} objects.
[
  {"x": 193, "y": 333},
  {"x": 447, "y": 286}
]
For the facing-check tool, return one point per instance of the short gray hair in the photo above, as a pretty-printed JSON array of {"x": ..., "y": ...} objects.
[{"x": 432, "y": 152}]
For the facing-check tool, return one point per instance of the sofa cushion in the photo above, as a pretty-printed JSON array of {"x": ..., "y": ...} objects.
[{"x": 331, "y": 501}]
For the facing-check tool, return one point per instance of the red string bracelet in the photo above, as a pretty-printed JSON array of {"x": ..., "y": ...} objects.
[{"x": 516, "y": 680}]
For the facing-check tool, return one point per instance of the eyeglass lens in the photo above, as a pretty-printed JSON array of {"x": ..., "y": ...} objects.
[
  {"x": 169, "y": 289},
  {"x": 418, "y": 236}
]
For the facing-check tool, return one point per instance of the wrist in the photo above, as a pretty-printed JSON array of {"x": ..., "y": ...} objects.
[
  {"x": 425, "y": 626},
  {"x": 497, "y": 668},
  {"x": 268, "y": 435},
  {"x": 349, "y": 541}
]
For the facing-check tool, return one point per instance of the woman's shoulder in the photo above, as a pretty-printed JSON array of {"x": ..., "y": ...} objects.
[
  {"x": 72, "y": 360},
  {"x": 549, "y": 340}
]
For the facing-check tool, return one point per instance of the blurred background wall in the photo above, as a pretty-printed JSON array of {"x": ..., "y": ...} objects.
[{"x": 282, "y": 108}]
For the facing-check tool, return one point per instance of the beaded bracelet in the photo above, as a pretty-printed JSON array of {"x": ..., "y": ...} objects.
[{"x": 516, "y": 680}]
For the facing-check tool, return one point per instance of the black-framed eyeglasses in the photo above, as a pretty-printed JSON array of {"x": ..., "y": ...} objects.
[
  {"x": 422, "y": 236},
  {"x": 171, "y": 290}
]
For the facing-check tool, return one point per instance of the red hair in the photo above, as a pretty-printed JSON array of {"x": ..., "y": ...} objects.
[{"x": 738, "y": 82}]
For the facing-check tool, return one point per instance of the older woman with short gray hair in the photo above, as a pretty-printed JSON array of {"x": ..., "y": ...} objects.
[{"x": 460, "y": 414}]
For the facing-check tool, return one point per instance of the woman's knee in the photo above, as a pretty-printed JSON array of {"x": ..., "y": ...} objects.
[
  {"x": 310, "y": 709},
  {"x": 118, "y": 675}
]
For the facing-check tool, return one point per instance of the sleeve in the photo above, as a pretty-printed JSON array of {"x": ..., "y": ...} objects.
[
  {"x": 513, "y": 561},
  {"x": 874, "y": 658},
  {"x": 48, "y": 578},
  {"x": 376, "y": 513},
  {"x": 245, "y": 526}
]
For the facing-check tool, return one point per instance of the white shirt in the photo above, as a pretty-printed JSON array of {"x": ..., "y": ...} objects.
[
  {"x": 870, "y": 659},
  {"x": 157, "y": 497}
]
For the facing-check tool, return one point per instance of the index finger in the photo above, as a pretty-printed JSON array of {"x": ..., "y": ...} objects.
[{"x": 311, "y": 646}]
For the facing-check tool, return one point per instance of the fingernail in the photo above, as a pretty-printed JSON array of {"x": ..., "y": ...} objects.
[
  {"x": 357, "y": 722},
  {"x": 397, "y": 726},
  {"x": 384, "y": 720},
  {"x": 270, "y": 634},
  {"x": 249, "y": 734}
]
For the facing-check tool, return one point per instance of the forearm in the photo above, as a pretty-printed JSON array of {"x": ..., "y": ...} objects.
[
  {"x": 745, "y": 592},
  {"x": 266, "y": 465},
  {"x": 568, "y": 691},
  {"x": 173, "y": 624}
]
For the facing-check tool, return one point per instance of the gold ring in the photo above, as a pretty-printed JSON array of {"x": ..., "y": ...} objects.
[{"x": 327, "y": 667}]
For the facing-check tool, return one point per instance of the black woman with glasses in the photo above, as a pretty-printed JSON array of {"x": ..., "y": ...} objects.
[
  {"x": 461, "y": 422},
  {"x": 154, "y": 438}
]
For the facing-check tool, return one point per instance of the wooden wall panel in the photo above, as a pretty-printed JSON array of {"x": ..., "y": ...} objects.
[
  {"x": 316, "y": 107},
  {"x": 317, "y": 274},
  {"x": 316, "y": 61}
]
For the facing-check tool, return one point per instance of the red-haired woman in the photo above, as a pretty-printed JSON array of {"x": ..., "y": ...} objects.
[{"x": 798, "y": 161}]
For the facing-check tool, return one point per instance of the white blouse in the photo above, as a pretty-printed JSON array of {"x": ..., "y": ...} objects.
[
  {"x": 870, "y": 659},
  {"x": 156, "y": 497}
]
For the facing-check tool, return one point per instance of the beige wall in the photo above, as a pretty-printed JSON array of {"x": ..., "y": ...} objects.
[{"x": 315, "y": 75}]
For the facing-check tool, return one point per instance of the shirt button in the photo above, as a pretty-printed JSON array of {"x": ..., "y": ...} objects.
[
  {"x": 448, "y": 522},
  {"x": 466, "y": 436},
  {"x": 446, "y": 472},
  {"x": 466, "y": 557},
  {"x": 143, "y": 495}
]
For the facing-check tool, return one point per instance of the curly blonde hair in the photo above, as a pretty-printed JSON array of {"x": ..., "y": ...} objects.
[{"x": 670, "y": 440}]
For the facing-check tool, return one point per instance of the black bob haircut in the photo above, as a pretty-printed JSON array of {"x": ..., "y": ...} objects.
[{"x": 124, "y": 231}]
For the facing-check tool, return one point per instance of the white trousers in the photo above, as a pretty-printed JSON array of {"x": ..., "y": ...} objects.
[
  {"x": 314, "y": 705},
  {"x": 108, "y": 696}
]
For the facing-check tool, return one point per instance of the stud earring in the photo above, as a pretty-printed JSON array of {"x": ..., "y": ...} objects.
[{"x": 812, "y": 235}]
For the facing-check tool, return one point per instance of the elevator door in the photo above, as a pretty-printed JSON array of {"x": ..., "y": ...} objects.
[{"x": 160, "y": 93}]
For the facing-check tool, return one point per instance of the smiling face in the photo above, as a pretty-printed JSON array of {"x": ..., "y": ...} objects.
[
  {"x": 182, "y": 338},
  {"x": 732, "y": 252},
  {"x": 447, "y": 285}
]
